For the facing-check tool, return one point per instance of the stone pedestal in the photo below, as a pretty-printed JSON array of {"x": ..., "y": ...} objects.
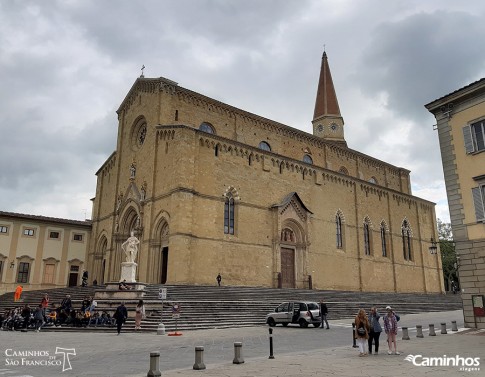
[
  {"x": 112, "y": 292},
  {"x": 128, "y": 272}
]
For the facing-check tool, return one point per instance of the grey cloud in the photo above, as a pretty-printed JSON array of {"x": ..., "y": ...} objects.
[{"x": 423, "y": 57}]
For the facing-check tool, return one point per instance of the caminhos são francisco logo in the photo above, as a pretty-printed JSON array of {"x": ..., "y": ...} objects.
[{"x": 465, "y": 364}]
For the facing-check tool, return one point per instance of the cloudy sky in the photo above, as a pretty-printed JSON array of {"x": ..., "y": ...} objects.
[{"x": 65, "y": 67}]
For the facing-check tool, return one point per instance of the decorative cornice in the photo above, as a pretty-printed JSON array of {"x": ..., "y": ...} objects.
[
  {"x": 246, "y": 151},
  {"x": 108, "y": 164},
  {"x": 172, "y": 88},
  {"x": 45, "y": 219}
]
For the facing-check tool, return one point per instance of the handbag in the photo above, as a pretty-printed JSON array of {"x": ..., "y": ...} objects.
[{"x": 361, "y": 331}]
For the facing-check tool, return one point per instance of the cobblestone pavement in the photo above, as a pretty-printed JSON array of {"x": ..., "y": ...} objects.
[{"x": 298, "y": 352}]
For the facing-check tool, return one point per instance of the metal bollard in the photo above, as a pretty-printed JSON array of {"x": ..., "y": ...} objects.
[
  {"x": 154, "y": 365},
  {"x": 199, "y": 358},
  {"x": 419, "y": 329},
  {"x": 454, "y": 327},
  {"x": 238, "y": 359},
  {"x": 405, "y": 333},
  {"x": 161, "y": 329},
  {"x": 354, "y": 343},
  {"x": 431, "y": 330},
  {"x": 443, "y": 328},
  {"x": 271, "y": 356}
]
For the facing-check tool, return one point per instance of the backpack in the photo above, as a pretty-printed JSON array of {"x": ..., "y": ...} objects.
[{"x": 397, "y": 317}]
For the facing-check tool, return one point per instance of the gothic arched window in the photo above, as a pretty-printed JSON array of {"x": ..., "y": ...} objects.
[
  {"x": 406, "y": 240},
  {"x": 307, "y": 158},
  {"x": 264, "y": 146},
  {"x": 367, "y": 245},
  {"x": 383, "y": 240},
  {"x": 207, "y": 127},
  {"x": 338, "y": 224},
  {"x": 229, "y": 214}
]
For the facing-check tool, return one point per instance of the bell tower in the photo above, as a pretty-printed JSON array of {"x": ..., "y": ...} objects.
[{"x": 327, "y": 121}]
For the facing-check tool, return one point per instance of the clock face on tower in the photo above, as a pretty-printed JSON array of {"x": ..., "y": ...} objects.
[
  {"x": 334, "y": 127},
  {"x": 320, "y": 128}
]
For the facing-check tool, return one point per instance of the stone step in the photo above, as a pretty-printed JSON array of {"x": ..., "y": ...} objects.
[{"x": 205, "y": 307}]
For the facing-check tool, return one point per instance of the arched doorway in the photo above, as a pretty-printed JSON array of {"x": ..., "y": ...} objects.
[
  {"x": 100, "y": 260},
  {"x": 158, "y": 270},
  {"x": 130, "y": 222},
  {"x": 287, "y": 250},
  {"x": 164, "y": 251}
]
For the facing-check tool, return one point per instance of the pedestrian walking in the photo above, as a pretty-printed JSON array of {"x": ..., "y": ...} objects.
[
  {"x": 361, "y": 335},
  {"x": 120, "y": 316},
  {"x": 18, "y": 293},
  {"x": 323, "y": 315},
  {"x": 44, "y": 304},
  {"x": 39, "y": 317},
  {"x": 375, "y": 330},
  {"x": 390, "y": 327},
  {"x": 139, "y": 314},
  {"x": 219, "y": 279}
]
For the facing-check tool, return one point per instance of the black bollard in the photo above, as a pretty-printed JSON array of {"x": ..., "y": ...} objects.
[
  {"x": 154, "y": 365},
  {"x": 354, "y": 344},
  {"x": 271, "y": 356}
]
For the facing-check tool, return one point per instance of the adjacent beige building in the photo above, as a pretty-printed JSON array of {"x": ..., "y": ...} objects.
[
  {"x": 209, "y": 188},
  {"x": 41, "y": 252},
  {"x": 460, "y": 118}
]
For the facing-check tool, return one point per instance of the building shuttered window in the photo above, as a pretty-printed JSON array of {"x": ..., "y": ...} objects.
[
  {"x": 479, "y": 201},
  {"x": 474, "y": 136}
]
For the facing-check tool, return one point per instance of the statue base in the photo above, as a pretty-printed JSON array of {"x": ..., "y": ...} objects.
[
  {"x": 128, "y": 272},
  {"x": 112, "y": 293}
]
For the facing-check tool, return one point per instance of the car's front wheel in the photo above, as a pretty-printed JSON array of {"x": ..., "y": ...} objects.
[
  {"x": 303, "y": 323},
  {"x": 271, "y": 322}
]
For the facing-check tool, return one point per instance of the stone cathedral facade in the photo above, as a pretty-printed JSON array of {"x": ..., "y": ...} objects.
[{"x": 209, "y": 188}]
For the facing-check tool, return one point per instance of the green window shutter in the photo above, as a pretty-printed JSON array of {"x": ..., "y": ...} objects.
[
  {"x": 479, "y": 205},
  {"x": 467, "y": 135}
]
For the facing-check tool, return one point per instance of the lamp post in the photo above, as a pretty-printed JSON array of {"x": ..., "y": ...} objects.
[
  {"x": 433, "y": 249},
  {"x": 456, "y": 266}
]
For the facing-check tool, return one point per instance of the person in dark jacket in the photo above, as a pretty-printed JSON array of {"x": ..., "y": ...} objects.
[
  {"x": 375, "y": 330},
  {"x": 26, "y": 315},
  {"x": 120, "y": 316},
  {"x": 39, "y": 317},
  {"x": 66, "y": 304},
  {"x": 323, "y": 314}
]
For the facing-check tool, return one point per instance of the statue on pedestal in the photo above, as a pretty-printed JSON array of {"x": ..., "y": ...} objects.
[{"x": 130, "y": 247}]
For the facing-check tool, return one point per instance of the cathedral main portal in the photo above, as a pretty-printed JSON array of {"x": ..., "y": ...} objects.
[{"x": 287, "y": 268}]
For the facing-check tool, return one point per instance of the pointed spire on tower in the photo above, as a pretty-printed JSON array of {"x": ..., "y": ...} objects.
[
  {"x": 326, "y": 102},
  {"x": 327, "y": 120}
]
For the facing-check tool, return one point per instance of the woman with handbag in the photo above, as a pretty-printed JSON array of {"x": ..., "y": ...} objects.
[
  {"x": 362, "y": 328},
  {"x": 139, "y": 314},
  {"x": 375, "y": 330},
  {"x": 390, "y": 327}
]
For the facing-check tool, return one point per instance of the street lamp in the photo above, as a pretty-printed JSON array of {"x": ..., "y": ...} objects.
[
  {"x": 456, "y": 266},
  {"x": 433, "y": 249}
]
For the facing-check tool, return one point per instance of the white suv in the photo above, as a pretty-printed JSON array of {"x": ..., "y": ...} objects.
[{"x": 302, "y": 313}]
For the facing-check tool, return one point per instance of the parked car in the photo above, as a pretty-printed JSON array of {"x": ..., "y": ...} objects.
[{"x": 302, "y": 313}]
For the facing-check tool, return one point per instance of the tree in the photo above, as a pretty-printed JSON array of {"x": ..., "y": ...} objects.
[{"x": 448, "y": 253}]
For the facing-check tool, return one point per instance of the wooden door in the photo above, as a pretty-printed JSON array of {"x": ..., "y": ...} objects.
[
  {"x": 164, "y": 265},
  {"x": 73, "y": 278},
  {"x": 287, "y": 268}
]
